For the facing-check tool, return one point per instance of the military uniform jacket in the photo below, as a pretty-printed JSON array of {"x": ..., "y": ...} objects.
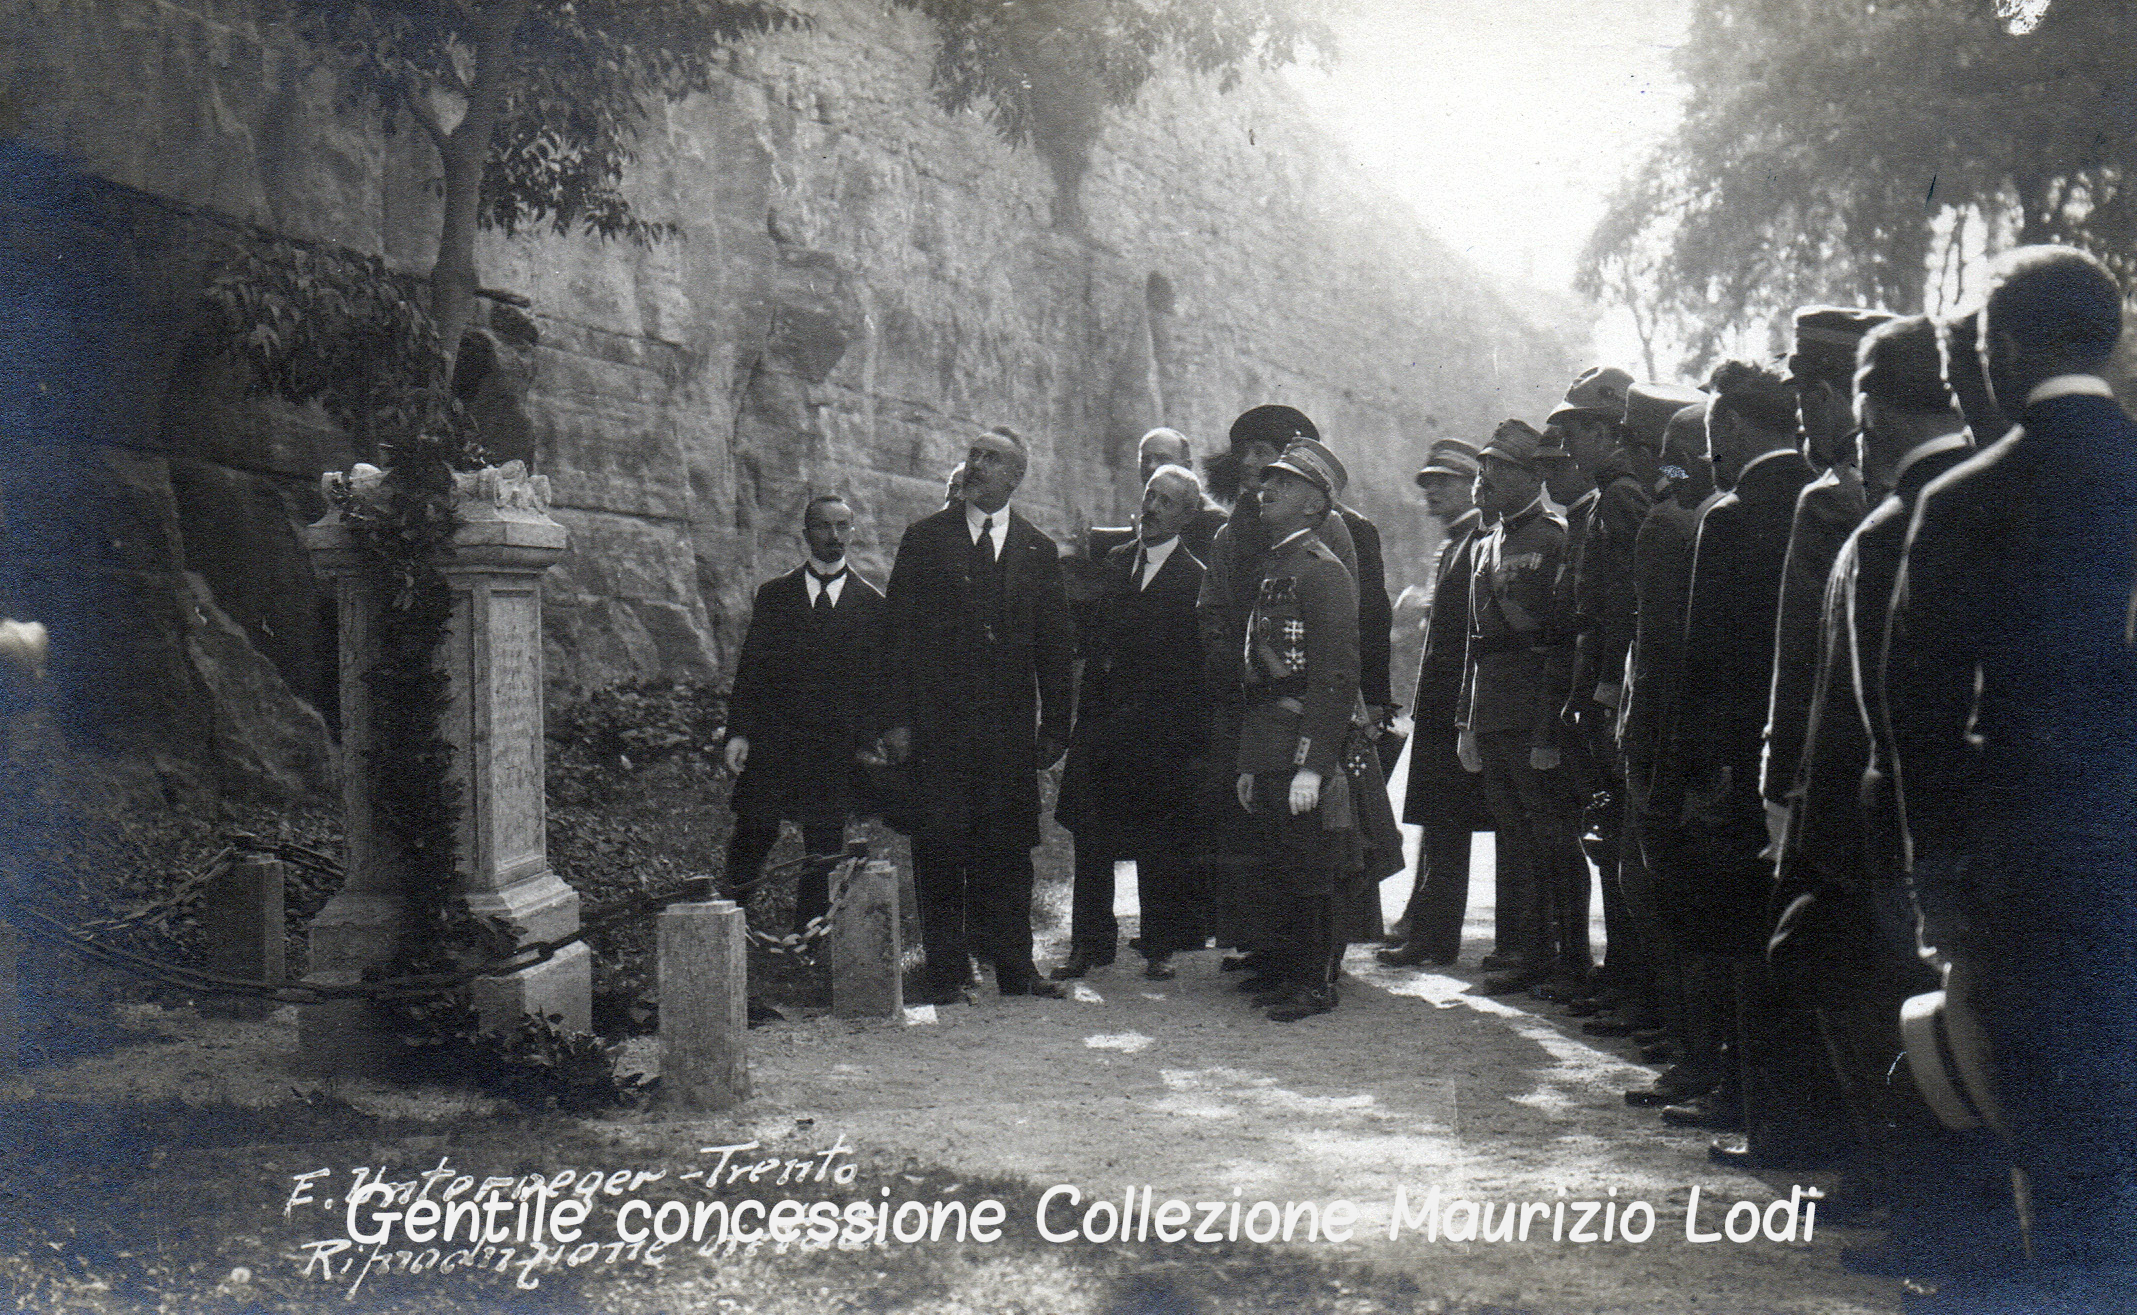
[
  {"x": 977, "y": 686},
  {"x": 1841, "y": 842},
  {"x": 1437, "y": 781},
  {"x": 808, "y": 694},
  {"x": 1300, "y": 655},
  {"x": 1514, "y": 662},
  {"x": 1230, "y": 579},
  {"x": 1829, "y": 507},
  {"x": 1142, "y": 714},
  {"x": 1604, "y": 601},
  {"x": 2011, "y": 693},
  {"x": 1662, "y": 579}
]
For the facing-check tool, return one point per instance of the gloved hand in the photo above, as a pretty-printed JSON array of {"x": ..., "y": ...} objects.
[{"x": 737, "y": 755}]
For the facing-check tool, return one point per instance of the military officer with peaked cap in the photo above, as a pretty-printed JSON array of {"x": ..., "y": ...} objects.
[
  {"x": 1300, "y": 658},
  {"x": 1442, "y": 798},
  {"x": 1507, "y": 721}
]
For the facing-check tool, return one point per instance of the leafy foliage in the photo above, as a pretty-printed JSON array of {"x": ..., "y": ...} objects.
[
  {"x": 643, "y": 722},
  {"x": 1829, "y": 148}
]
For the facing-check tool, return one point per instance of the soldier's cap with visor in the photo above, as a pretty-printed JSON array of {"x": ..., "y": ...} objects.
[
  {"x": 1451, "y": 456},
  {"x": 1599, "y": 391},
  {"x": 1309, "y": 459},
  {"x": 1272, "y": 423},
  {"x": 1514, "y": 441},
  {"x": 1554, "y": 446},
  {"x": 1648, "y": 408},
  {"x": 1825, "y": 341}
]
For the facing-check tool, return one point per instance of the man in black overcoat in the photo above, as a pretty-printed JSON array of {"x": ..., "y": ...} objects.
[
  {"x": 1142, "y": 719},
  {"x": 980, "y": 646},
  {"x": 2011, "y": 693},
  {"x": 807, "y": 698},
  {"x": 1712, "y": 881}
]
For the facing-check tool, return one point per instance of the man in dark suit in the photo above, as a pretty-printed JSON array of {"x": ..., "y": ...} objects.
[
  {"x": 1444, "y": 800},
  {"x": 2011, "y": 691},
  {"x": 807, "y": 698},
  {"x": 1711, "y": 878},
  {"x": 1821, "y": 369},
  {"x": 1842, "y": 941},
  {"x": 1141, "y": 720},
  {"x": 980, "y": 645}
]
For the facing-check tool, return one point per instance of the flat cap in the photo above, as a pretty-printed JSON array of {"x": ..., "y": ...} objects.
[
  {"x": 1515, "y": 441},
  {"x": 1648, "y": 408},
  {"x": 1272, "y": 423},
  {"x": 1310, "y": 460},
  {"x": 1554, "y": 447},
  {"x": 1451, "y": 456},
  {"x": 1600, "y": 391},
  {"x": 1825, "y": 339}
]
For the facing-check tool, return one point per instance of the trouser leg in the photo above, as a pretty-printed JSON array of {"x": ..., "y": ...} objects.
[
  {"x": 1093, "y": 931},
  {"x": 999, "y": 896},
  {"x": 939, "y": 878},
  {"x": 1164, "y": 886},
  {"x": 1517, "y": 924},
  {"x": 1443, "y": 854},
  {"x": 747, "y": 849}
]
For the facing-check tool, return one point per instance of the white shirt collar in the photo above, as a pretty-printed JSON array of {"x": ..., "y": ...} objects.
[
  {"x": 973, "y": 517},
  {"x": 1958, "y": 438},
  {"x": 1154, "y": 555},
  {"x": 2069, "y": 385},
  {"x": 821, "y": 569},
  {"x": 813, "y": 585}
]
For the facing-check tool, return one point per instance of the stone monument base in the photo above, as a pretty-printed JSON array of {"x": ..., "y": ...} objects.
[{"x": 562, "y": 985}]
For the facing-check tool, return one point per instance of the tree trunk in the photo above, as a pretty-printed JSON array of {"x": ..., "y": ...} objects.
[{"x": 466, "y": 150}]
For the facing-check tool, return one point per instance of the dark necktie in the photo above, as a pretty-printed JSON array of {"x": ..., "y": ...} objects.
[
  {"x": 984, "y": 544},
  {"x": 823, "y": 589}
]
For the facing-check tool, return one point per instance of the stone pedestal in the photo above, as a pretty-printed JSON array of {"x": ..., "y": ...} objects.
[
  {"x": 241, "y": 911},
  {"x": 704, "y": 1005},
  {"x": 493, "y": 656},
  {"x": 866, "y": 947}
]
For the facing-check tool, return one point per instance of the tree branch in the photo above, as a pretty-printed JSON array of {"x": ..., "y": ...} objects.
[{"x": 428, "y": 118}]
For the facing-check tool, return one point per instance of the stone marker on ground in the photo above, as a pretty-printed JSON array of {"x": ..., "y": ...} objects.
[
  {"x": 703, "y": 978},
  {"x": 241, "y": 911},
  {"x": 866, "y": 948}
]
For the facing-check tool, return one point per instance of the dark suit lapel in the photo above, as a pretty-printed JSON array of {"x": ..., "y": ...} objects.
[{"x": 1015, "y": 544}]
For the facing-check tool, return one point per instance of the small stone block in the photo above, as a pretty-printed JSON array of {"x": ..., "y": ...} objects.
[
  {"x": 241, "y": 910},
  {"x": 704, "y": 1005},
  {"x": 866, "y": 947}
]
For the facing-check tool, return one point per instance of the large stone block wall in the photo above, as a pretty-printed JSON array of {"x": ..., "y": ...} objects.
[{"x": 861, "y": 283}]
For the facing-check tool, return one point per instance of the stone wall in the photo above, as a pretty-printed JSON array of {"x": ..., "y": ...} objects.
[{"x": 861, "y": 283}]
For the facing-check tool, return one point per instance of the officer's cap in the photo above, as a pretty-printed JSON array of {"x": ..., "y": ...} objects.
[
  {"x": 1600, "y": 391},
  {"x": 1515, "y": 441},
  {"x": 1825, "y": 341},
  {"x": 1648, "y": 408},
  {"x": 1451, "y": 456},
  {"x": 1310, "y": 460},
  {"x": 1553, "y": 446},
  {"x": 1272, "y": 423}
]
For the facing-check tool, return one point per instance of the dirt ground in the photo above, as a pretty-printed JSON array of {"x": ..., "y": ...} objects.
[{"x": 1415, "y": 1082}]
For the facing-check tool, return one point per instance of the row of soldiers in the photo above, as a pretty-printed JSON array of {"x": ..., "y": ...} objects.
[{"x": 1830, "y": 670}]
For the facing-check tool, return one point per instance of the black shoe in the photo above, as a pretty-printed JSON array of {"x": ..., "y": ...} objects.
[
  {"x": 1037, "y": 986},
  {"x": 1676, "y": 1084},
  {"x": 1408, "y": 955},
  {"x": 939, "y": 995},
  {"x": 1160, "y": 969},
  {"x": 1559, "y": 990},
  {"x": 1648, "y": 1036},
  {"x": 1078, "y": 965},
  {"x": 1499, "y": 962},
  {"x": 1657, "y": 1052},
  {"x": 1303, "y": 1004},
  {"x": 1512, "y": 982},
  {"x": 1584, "y": 1008},
  {"x": 1275, "y": 995},
  {"x": 761, "y": 1013},
  {"x": 1703, "y": 1112},
  {"x": 1258, "y": 983}
]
